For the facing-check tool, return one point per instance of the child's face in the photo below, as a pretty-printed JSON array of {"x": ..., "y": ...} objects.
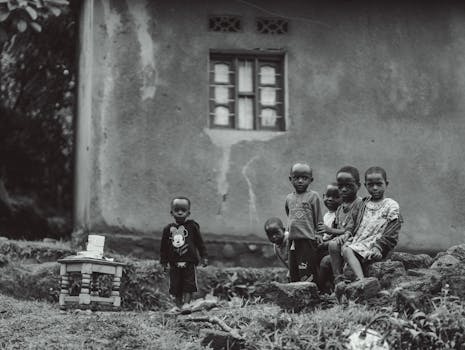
[
  {"x": 180, "y": 210},
  {"x": 375, "y": 185},
  {"x": 275, "y": 233},
  {"x": 347, "y": 185},
  {"x": 332, "y": 198},
  {"x": 301, "y": 177}
]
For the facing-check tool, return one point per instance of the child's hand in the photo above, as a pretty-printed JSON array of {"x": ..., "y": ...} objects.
[
  {"x": 321, "y": 228},
  {"x": 340, "y": 239},
  {"x": 165, "y": 267},
  {"x": 204, "y": 262},
  {"x": 376, "y": 254},
  {"x": 326, "y": 237}
]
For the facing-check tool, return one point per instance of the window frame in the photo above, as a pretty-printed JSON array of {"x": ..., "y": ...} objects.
[{"x": 259, "y": 58}]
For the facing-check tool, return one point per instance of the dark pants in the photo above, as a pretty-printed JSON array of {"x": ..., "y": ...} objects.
[{"x": 304, "y": 260}]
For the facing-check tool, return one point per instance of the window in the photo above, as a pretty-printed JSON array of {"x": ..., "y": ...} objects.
[{"x": 247, "y": 91}]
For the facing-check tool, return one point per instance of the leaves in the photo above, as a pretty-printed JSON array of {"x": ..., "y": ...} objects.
[
  {"x": 32, "y": 13},
  {"x": 21, "y": 25},
  {"x": 4, "y": 15},
  {"x": 18, "y": 15}
]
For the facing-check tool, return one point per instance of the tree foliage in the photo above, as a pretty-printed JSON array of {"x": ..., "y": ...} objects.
[{"x": 37, "y": 93}]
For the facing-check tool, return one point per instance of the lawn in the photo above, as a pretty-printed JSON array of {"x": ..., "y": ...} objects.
[{"x": 41, "y": 325}]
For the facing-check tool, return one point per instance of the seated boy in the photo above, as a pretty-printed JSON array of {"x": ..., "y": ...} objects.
[{"x": 274, "y": 229}]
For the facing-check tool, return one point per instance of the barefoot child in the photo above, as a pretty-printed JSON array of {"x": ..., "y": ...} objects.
[
  {"x": 348, "y": 181},
  {"x": 303, "y": 208},
  {"x": 179, "y": 245},
  {"x": 378, "y": 225},
  {"x": 277, "y": 235}
]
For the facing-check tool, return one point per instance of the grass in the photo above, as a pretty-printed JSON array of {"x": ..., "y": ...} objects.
[{"x": 41, "y": 325}]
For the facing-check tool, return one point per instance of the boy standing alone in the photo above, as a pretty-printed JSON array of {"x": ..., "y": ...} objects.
[
  {"x": 303, "y": 208},
  {"x": 179, "y": 245}
]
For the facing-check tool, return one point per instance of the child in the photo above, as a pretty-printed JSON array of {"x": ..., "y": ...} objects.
[
  {"x": 303, "y": 208},
  {"x": 378, "y": 225},
  {"x": 277, "y": 235},
  {"x": 348, "y": 182},
  {"x": 179, "y": 245},
  {"x": 332, "y": 200}
]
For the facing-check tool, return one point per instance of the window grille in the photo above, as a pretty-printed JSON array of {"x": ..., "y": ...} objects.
[
  {"x": 228, "y": 24},
  {"x": 272, "y": 25},
  {"x": 247, "y": 91}
]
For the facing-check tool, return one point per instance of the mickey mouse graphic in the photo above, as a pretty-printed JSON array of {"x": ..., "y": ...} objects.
[{"x": 178, "y": 239}]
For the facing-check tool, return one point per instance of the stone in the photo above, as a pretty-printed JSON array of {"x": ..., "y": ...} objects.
[
  {"x": 294, "y": 296},
  {"x": 446, "y": 260},
  {"x": 3, "y": 260},
  {"x": 454, "y": 277},
  {"x": 457, "y": 251},
  {"x": 386, "y": 271},
  {"x": 412, "y": 261},
  {"x": 409, "y": 301},
  {"x": 362, "y": 289},
  {"x": 219, "y": 340},
  {"x": 427, "y": 281}
]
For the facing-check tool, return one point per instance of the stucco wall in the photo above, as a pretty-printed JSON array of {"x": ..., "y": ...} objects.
[{"x": 367, "y": 84}]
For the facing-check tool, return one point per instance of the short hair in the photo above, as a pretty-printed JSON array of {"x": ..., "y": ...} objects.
[
  {"x": 352, "y": 171},
  {"x": 376, "y": 170},
  {"x": 181, "y": 197},
  {"x": 301, "y": 163},
  {"x": 334, "y": 184},
  {"x": 273, "y": 220}
]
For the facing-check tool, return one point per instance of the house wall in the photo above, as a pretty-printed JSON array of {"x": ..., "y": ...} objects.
[{"x": 368, "y": 83}]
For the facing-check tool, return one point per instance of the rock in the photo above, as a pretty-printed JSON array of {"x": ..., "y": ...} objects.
[
  {"x": 219, "y": 340},
  {"x": 409, "y": 301},
  {"x": 386, "y": 271},
  {"x": 362, "y": 289},
  {"x": 294, "y": 296},
  {"x": 454, "y": 277},
  {"x": 427, "y": 281},
  {"x": 412, "y": 261},
  {"x": 3, "y": 260},
  {"x": 457, "y": 251},
  {"x": 446, "y": 260}
]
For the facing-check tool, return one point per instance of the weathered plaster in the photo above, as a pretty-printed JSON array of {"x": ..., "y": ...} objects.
[
  {"x": 380, "y": 84},
  {"x": 147, "y": 46},
  {"x": 225, "y": 139}
]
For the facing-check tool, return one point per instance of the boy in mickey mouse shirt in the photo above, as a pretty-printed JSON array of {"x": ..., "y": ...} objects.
[{"x": 179, "y": 245}]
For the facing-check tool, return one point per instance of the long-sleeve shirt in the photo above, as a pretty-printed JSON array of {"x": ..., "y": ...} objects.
[
  {"x": 304, "y": 214},
  {"x": 182, "y": 243}
]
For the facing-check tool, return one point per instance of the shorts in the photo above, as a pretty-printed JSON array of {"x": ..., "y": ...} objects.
[{"x": 183, "y": 279}]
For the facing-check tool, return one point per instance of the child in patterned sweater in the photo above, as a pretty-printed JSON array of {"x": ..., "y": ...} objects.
[{"x": 378, "y": 224}]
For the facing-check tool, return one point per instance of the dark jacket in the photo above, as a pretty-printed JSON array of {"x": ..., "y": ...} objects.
[{"x": 182, "y": 243}]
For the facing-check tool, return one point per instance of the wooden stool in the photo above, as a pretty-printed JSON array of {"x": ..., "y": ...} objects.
[{"x": 88, "y": 296}]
